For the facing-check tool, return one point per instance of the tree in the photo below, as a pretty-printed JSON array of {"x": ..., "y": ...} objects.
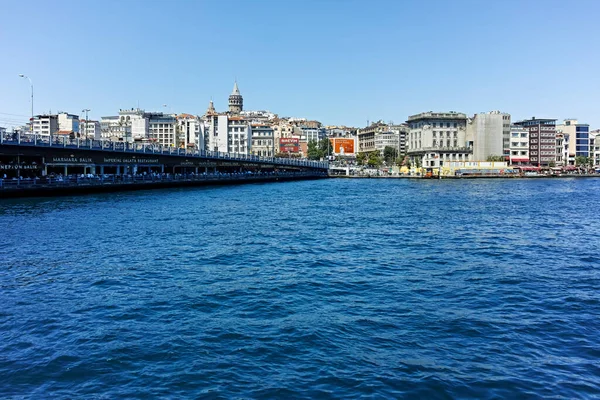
[
  {"x": 492, "y": 157},
  {"x": 314, "y": 153},
  {"x": 360, "y": 158},
  {"x": 326, "y": 147},
  {"x": 389, "y": 154},
  {"x": 582, "y": 161},
  {"x": 374, "y": 159},
  {"x": 552, "y": 164}
]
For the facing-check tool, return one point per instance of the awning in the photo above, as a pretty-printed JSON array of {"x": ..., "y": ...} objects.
[{"x": 520, "y": 159}]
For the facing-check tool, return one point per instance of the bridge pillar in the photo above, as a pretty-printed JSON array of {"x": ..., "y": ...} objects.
[
  {"x": 135, "y": 169},
  {"x": 196, "y": 170},
  {"x": 162, "y": 168},
  {"x": 102, "y": 170},
  {"x": 93, "y": 169},
  {"x": 66, "y": 171},
  {"x": 118, "y": 170}
]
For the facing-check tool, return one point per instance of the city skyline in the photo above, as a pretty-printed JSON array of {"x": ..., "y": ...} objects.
[{"x": 339, "y": 63}]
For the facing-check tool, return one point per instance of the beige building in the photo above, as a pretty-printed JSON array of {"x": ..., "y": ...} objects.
[
  {"x": 366, "y": 136},
  {"x": 438, "y": 138}
]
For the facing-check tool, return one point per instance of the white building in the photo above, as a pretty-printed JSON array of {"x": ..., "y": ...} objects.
[
  {"x": 162, "y": 128},
  {"x": 90, "y": 129},
  {"x": 68, "y": 123},
  {"x": 191, "y": 131},
  {"x": 263, "y": 140},
  {"x": 387, "y": 139},
  {"x": 436, "y": 138},
  {"x": 519, "y": 145},
  {"x": 487, "y": 132},
  {"x": 135, "y": 123},
  {"x": 310, "y": 134},
  {"x": 596, "y": 155},
  {"x": 45, "y": 125},
  {"x": 111, "y": 128}
]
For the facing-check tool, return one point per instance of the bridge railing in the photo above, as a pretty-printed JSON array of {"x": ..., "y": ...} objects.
[
  {"x": 83, "y": 180},
  {"x": 66, "y": 141}
]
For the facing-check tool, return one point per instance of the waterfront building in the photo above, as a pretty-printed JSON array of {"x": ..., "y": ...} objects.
[
  {"x": 366, "y": 136},
  {"x": 438, "y": 137},
  {"x": 562, "y": 149},
  {"x": 90, "y": 129},
  {"x": 488, "y": 132},
  {"x": 236, "y": 101},
  {"x": 45, "y": 125},
  {"x": 542, "y": 140},
  {"x": 518, "y": 150},
  {"x": 579, "y": 139},
  {"x": 385, "y": 139},
  {"x": 402, "y": 131},
  {"x": 596, "y": 159},
  {"x": 263, "y": 140}
]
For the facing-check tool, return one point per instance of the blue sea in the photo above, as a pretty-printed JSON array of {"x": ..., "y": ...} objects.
[{"x": 339, "y": 288}]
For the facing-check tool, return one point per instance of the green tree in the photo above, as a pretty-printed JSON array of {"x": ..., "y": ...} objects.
[
  {"x": 389, "y": 154},
  {"x": 326, "y": 147},
  {"x": 582, "y": 161},
  {"x": 314, "y": 153},
  {"x": 552, "y": 164},
  {"x": 495, "y": 158},
  {"x": 374, "y": 159},
  {"x": 361, "y": 158}
]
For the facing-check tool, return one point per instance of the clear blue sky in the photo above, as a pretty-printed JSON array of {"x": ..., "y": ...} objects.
[{"x": 340, "y": 62}]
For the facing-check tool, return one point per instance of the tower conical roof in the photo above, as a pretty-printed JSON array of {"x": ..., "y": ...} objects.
[{"x": 235, "y": 89}]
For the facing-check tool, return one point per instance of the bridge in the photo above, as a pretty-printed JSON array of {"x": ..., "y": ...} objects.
[{"x": 33, "y": 156}]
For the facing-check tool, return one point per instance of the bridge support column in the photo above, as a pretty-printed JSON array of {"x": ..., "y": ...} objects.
[
  {"x": 102, "y": 170},
  {"x": 162, "y": 168},
  {"x": 196, "y": 170},
  {"x": 135, "y": 169},
  {"x": 45, "y": 171},
  {"x": 118, "y": 170},
  {"x": 93, "y": 169},
  {"x": 66, "y": 171}
]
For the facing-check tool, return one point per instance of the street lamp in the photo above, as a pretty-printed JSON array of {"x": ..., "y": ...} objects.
[
  {"x": 31, "y": 83},
  {"x": 86, "y": 110}
]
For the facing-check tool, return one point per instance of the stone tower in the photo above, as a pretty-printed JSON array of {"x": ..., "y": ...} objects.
[{"x": 236, "y": 101}]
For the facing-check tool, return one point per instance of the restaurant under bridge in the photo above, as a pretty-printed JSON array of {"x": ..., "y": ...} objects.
[{"x": 30, "y": 156}]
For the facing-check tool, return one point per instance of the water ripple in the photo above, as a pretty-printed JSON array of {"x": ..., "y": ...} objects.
[{"x": 330, "y": 289}]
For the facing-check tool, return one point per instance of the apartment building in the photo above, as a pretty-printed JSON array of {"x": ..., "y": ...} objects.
[
  {"x": 542, "y": 140},
  {"x": 263, "y": 140},
  {"x": 518, "y": 149}
]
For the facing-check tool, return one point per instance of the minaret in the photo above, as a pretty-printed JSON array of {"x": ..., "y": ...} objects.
[
  {"x": 236, "y": 102},
  {"x": 211, "y": 109}
]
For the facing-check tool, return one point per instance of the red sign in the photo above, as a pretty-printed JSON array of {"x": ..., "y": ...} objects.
[{"x": 289, "y": 145}]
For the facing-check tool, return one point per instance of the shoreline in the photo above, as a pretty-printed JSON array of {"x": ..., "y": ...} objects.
[{"x": 435, "y": 178}]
